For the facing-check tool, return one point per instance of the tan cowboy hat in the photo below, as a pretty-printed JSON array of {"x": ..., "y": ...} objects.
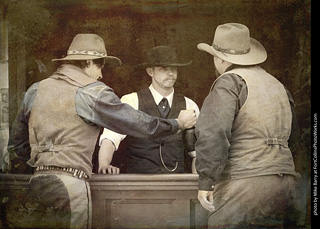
[
  {"x": 162, "y": 56},
  {"x": 232, "y": 42},
  {"x": 88, "y": 47}
]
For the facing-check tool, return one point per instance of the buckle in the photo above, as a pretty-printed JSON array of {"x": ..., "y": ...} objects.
[{"x": 274, "y": 141}]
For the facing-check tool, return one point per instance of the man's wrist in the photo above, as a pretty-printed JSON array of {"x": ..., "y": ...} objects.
[
  {"x": 205, "y": 184},
  {"x": 181, "y": 125},
  {"x": 176, "y": 126}
]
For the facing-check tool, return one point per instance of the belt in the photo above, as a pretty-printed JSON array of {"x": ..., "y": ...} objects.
[
  {"x": 276, "y": 141},
  {"x": 74, "y": 172}
]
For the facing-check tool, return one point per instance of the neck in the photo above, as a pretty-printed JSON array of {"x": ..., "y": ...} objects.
[
  {"x": 227, "y": 67},
  {"x": 230, "y": 67}
]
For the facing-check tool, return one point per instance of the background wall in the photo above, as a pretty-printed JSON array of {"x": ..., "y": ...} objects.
[{"x": 39, "y": 31}]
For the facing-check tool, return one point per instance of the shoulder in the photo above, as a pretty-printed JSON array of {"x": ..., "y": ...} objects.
[
  {"x": 190, "y": 104},
  {"x": 94, "y": 89},
  {"x": 29, "y": 98},
  {"x": 190, "y": 101},
  {"x": 97, "y": 86},
  {"x": 131, "y": 99},
  {"x": 31, "y": 92},
  {"x": 129, "y": 96},
  {"x": 33, "y": 88},
  {"x": 229, "y": 79}
]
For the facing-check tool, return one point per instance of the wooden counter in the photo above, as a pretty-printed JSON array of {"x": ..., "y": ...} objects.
[{"x": 130, "y": 200}]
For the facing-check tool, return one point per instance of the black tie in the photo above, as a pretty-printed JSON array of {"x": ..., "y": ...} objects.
[{"x": 164, "y": 108}]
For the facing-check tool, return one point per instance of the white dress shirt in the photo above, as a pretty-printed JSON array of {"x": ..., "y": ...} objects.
[{"x": 132, "y": 100}]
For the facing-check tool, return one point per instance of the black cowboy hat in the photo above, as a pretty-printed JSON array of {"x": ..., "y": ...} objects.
[{"x": 162, "y": 56}]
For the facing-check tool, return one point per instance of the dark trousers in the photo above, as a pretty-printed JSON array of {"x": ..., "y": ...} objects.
[{"x": 255, "y": 202}]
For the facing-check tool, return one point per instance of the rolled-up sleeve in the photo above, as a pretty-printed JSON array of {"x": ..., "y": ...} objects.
[{"x": 98, "y": 104}]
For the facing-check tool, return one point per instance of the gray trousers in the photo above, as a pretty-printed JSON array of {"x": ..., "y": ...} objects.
[
  {"x": 60, "y": 201},
  {"x": 255, "y": 202}
]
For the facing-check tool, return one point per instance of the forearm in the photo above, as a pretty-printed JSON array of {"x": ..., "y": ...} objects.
[
  {"x": 106, "y": 152},
  {"x": 212, "y": 155},
  {"x": 212, "y": 144},
  {"x": 213, "y": 131}
]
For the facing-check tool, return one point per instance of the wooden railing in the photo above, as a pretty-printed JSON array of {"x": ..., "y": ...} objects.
[{"x": 127, "y": 200}]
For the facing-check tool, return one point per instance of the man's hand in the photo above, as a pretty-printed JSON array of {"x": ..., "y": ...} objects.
[
  {"x": 104, "y": 169},
  {"x": 187, "y": 119},
  {"x": 206, "y": 200}
]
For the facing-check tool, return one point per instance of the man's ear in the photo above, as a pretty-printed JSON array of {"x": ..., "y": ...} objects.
[{"x": 149, "y": 71}]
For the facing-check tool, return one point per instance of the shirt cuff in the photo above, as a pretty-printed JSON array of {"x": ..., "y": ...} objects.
[
  {"x": 192, "y": 154},
  {"x": 205, "y": 184},
  {"x": 175, "y": 128}
]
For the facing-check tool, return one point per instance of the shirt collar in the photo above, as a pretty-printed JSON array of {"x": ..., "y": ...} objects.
[
  {"x": 73, "y": 75},
  {"x": 158, "y": 97}
]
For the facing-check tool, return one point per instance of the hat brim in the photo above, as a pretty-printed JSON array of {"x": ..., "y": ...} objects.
[
  {"x": 115, "y": 61},
  {"x": 147, "y": 65},
  {"x": 256, "y": 55}
]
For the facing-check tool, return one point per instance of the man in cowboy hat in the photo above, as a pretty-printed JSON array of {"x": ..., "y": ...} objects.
[
  {"x": 154, "y": 155},
  {"x": 246, "y": 170},
  {"x": 60, "y": 119}
]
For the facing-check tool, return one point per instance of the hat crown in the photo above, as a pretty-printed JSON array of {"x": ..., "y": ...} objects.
[
  {"x": 90, "y": 44},
  {"x": 88, "y": 47},
  {"x": 233, "y": 38},
  {"x": 232, "y": 43},
  {"x": 161, "y": 55}
]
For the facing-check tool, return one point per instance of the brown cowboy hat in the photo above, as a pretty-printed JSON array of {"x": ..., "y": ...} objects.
[
  {"x": 88, "y": 47},
  {"x": 232, "y": 42},
  {"x": 162, "y": 56}
]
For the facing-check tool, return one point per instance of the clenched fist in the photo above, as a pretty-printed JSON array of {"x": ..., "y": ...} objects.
[{"x": 187, "y": 119}]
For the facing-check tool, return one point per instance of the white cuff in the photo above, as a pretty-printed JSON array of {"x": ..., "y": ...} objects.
[{"x": 192, "y": 154}]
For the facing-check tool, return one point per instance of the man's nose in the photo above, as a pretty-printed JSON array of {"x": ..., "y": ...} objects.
[{"x": 170, "y": 71}]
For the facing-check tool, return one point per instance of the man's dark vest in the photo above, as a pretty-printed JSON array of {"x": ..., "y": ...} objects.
[{"x": 143, "y": 154}]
